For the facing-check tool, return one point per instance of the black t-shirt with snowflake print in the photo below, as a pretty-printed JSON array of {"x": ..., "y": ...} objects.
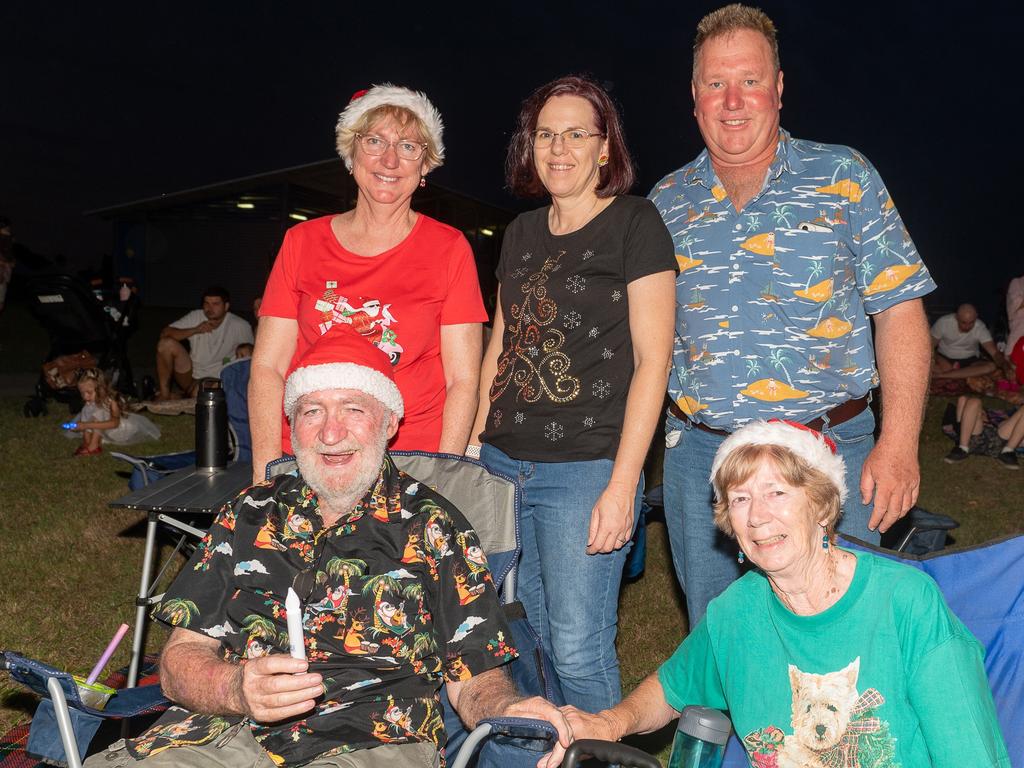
[{"x": 567, "y": 357}]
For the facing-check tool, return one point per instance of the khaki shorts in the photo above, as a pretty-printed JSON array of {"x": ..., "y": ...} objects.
[{"x": 238, "y": 749}]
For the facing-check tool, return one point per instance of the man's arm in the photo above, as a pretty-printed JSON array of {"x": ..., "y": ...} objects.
[
  {"x": 266, "y": 690},
  {"x": 492, "y": 694},
  {"x": 891, "y": 473},
  {"x": 180, "y": 334},
  {"x": 997, "y": 357}
]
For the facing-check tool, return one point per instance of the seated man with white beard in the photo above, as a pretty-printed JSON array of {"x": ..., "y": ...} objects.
[{"x": 395, "y": 600}]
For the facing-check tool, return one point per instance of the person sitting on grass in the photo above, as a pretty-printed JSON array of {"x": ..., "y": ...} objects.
[
  {"x": 958, "y": 340},
  {"x": 103, "y": 419},
  {"x": 213, "y": 335},
  {"x": 377, "y": 560},
  {"x": 977, "y": 434}
]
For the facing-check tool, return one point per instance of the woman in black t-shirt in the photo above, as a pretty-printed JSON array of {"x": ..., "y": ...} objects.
[{"x": 574, "y": 375}]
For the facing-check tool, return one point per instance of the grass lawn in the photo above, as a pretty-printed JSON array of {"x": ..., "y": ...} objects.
[{"x": 69, "y": 565}]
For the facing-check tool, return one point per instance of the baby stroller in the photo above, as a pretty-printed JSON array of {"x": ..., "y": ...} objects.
[{"x": 78, "y": 321}]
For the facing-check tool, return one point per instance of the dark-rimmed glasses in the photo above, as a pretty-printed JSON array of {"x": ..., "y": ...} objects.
[
  {"x": 574, "y": 138},
  {"x": 406, "y": 149}
]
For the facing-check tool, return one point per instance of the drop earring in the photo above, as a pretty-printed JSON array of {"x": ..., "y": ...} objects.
[
  {"x": 423, "y": 181},
  {"x": 824, "y": 538},
  {"x": 740, "y": 557}
]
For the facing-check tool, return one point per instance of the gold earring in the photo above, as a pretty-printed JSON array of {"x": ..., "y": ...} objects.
[{"x": 602, "y": 161}]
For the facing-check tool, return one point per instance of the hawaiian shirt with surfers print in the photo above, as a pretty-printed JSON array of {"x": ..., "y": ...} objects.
[
  {"x": 397, "y": 597},
  {"x": 772, "y": 303}
]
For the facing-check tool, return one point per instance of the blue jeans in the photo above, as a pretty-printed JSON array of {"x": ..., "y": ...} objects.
[
  {"x": 703, "y": 557},
  {"x": 571, "y": 598}
]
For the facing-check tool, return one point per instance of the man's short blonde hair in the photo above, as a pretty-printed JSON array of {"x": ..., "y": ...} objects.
[
  {"x": 404, "y": 118},
  {"x": 729, "y": 19},
  {"x": 744, "y": 461}
]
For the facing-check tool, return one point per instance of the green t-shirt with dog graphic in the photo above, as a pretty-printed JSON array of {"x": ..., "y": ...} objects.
[{"x": 888, "y": 677}]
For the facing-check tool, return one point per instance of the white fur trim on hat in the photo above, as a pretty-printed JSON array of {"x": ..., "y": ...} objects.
[
  {"x": 395, "y": 95},
  {"x": 314, "y": 378},
  {"x": 805, "y": 443}
]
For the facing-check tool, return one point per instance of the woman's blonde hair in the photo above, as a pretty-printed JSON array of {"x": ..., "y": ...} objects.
[
  {"x": 346, "y": 135},
  {"x": 744, "y": 461}
]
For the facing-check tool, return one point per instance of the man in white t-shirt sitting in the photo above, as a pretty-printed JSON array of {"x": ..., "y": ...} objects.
[
  {"x": 958, "y": 340},
  {"x": 213, "y": 334}
]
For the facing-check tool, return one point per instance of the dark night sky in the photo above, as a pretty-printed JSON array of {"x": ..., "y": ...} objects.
[{"x": 106, "y": 103}]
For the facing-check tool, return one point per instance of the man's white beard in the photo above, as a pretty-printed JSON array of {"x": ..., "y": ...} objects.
[{"x": 341, "y": 500}]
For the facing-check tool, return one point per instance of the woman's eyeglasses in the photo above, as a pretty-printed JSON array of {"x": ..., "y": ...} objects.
[
  {"x": 404, "y": 148},
  {"x": 574, "y": 138}
]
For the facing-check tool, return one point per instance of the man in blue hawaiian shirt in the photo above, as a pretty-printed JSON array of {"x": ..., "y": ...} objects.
[{"x": 785, "y": 247}]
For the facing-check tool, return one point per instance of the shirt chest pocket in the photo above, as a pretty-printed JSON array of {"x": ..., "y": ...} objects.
[{"x": 806, "y": 269}]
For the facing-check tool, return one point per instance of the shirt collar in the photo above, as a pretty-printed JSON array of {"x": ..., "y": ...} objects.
[{"x": 786, "y": 159}]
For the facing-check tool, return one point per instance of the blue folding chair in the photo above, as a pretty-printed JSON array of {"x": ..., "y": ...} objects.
[
  {"x": 234, "y": 380},
  {"x": 984, "y": 586},
  {"x": 63, "y": 725}
]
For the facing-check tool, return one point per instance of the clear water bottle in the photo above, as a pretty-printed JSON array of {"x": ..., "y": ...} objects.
[
  {"x": 211, "y": 426},
  {"x": 700, "y": 739}
]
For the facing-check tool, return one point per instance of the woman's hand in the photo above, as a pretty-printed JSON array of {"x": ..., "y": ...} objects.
[
  {"x": 611, "y": 521},
  {"x": 583, "y": 725}
]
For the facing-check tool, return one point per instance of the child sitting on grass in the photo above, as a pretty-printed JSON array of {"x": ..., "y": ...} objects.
[
  {"x": 977, "y": 434},
  {"x": 103, "y": 418}
]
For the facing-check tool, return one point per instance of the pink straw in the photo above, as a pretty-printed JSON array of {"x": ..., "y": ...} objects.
[{"x": 111, "y": 647}]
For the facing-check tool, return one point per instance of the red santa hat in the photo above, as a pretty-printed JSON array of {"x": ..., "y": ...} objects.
[
  {"x": 813, "y": 448},
  {"x": 396, "y": 96},
  {"x": 342, "y": 359}
]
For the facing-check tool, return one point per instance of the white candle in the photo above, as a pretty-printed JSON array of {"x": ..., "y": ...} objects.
[{"x": 293, "y": 608}]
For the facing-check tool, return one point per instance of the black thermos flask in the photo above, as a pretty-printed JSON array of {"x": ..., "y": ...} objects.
[{"x": 211, "y": 427}]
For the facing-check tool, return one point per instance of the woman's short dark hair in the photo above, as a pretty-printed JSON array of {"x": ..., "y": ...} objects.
[{"x": 616, "y": 178}]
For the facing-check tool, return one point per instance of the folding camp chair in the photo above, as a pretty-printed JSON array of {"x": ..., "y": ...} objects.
[
  {"x": 63, "y": 714},
  {"x": 234, "y": 379},
  {"x": 490, "y": 501},
  {"x": 984, "y": 586}
]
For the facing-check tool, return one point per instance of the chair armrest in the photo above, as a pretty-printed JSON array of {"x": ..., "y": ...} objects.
[
  {"x": 609, "y": 752},
  {"x": 509, "y": 727}
]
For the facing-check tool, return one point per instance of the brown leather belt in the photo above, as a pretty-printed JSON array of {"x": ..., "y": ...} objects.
[{"x": 842, "y": 412}]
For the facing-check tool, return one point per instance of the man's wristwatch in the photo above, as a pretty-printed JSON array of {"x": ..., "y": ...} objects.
[{"x": 472, "y": 451}]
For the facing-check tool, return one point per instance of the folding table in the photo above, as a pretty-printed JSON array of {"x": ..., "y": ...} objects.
[{"x": 187, "y": 492}]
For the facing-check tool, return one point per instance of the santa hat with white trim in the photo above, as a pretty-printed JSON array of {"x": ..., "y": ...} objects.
[
  {"x": 812, "y": 447},
  {"x": 342, "y": 359},
  {"x": 396, "y": 96}
]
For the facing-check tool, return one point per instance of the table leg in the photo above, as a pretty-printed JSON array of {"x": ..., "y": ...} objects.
[{"x": 142, "y": 601}]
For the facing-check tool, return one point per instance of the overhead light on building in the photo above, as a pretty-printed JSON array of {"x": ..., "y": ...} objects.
[
  {"x": 298, "y": 217},
  {"x": 486, "y": 231},
  {"x": 246, "y": 206}
]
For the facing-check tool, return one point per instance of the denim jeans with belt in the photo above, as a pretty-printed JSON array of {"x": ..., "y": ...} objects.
[
  {"x": 571, "y": 598},
  {"x": 704, "y": 558}
]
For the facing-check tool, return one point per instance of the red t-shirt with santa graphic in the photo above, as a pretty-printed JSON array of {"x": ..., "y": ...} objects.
[{"x": 398, "y": 300}]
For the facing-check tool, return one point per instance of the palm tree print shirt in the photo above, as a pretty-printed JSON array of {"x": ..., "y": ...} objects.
[
  {"x": 772, "y": 303},
  {"x": 397, "y": 597}
]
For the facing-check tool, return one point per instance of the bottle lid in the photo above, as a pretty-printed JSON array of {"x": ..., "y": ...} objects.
[{"x": 705, "y": 724}]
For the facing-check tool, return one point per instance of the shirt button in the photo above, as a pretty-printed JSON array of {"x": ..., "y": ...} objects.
[
  {"x": 735, "y": 308},
  {"x": 738, "y": 227}
]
